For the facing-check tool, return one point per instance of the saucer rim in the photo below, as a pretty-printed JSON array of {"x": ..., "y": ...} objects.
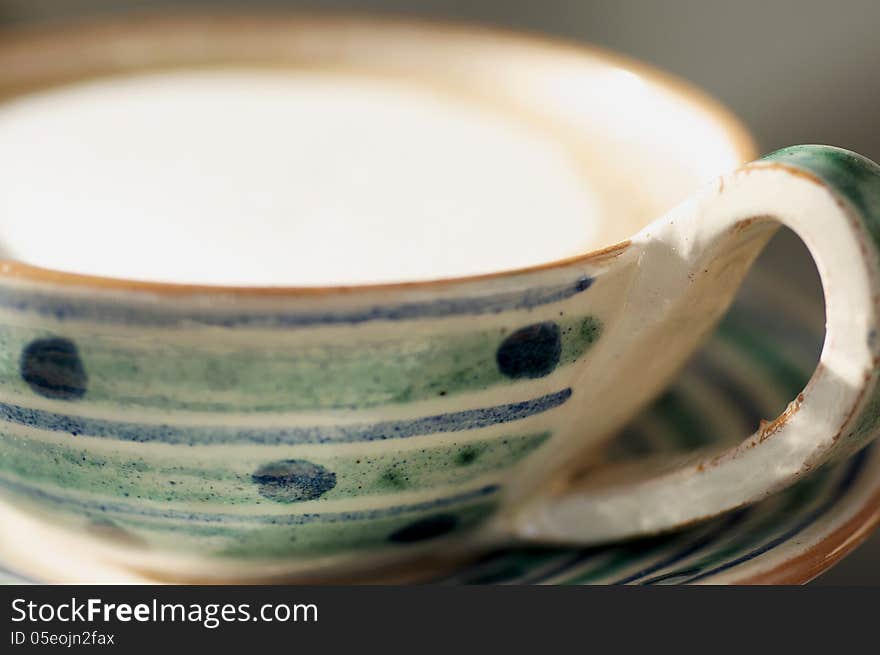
[{"x": 824, "y": 554}]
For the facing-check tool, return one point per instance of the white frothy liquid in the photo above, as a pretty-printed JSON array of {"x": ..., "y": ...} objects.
[{"x": 245, "y": 177}]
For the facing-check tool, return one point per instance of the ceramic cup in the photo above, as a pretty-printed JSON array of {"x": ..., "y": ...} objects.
[{"x": 201, "y": 430}]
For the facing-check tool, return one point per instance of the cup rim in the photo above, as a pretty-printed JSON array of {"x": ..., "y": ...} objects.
[{"x": 135, "y": 22}]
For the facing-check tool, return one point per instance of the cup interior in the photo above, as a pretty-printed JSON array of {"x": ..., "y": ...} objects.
[{"x": 312, "y": 152}]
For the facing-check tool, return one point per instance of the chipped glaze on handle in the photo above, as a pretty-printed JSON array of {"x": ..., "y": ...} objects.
[{"x": 831, "y": 199}]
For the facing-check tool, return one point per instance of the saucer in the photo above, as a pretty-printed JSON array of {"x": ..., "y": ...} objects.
[{"x": 757, "y": 360}]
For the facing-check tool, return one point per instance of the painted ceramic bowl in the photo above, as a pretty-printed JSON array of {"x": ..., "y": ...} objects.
[
  {"x": 721, "y": 395},
  {"x": 228, "y": 431}
]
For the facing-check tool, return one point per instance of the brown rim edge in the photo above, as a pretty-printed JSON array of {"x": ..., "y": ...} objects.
[
  {"x": 739, "y": 136},
  {"x": 18, "y": 270},
  {"x": 825, "y": 554}
]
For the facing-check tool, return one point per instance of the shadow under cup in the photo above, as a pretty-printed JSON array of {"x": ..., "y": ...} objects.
[{"x": 185, "y": 387}]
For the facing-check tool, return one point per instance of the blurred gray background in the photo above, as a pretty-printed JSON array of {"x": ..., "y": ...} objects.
[{"x": 795, "y": 71}]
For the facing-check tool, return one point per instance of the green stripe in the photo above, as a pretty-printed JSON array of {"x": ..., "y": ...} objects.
[
  {"x": 249, "y": 542},
  {"x": 150, "y": 372},
  {"x": 337, "y": 537},
  {"x": 624, "y": 557},
  {"x": 182, "y": 477},
  {"x": 243, "y": 542},
  {"x": 855, "y": 177}
]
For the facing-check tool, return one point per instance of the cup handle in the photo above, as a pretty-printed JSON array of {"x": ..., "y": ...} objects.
[{"x": 831, "y": 198}]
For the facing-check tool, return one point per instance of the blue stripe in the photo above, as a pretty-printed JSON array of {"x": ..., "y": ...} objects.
[
  {"x": 483, "y": 567},
  {"x": 471, "y": 419},
  {"x": 577, "y": 559},
  {"x": 112, "y": 507},
  {"x": 691, "y": 547},
  {"x": 92, "y": 309}
]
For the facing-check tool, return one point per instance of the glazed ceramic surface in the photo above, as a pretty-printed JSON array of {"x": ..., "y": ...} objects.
[
  {"x": 227, "y": 432},
  {"x": 749, "y": 369}
]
